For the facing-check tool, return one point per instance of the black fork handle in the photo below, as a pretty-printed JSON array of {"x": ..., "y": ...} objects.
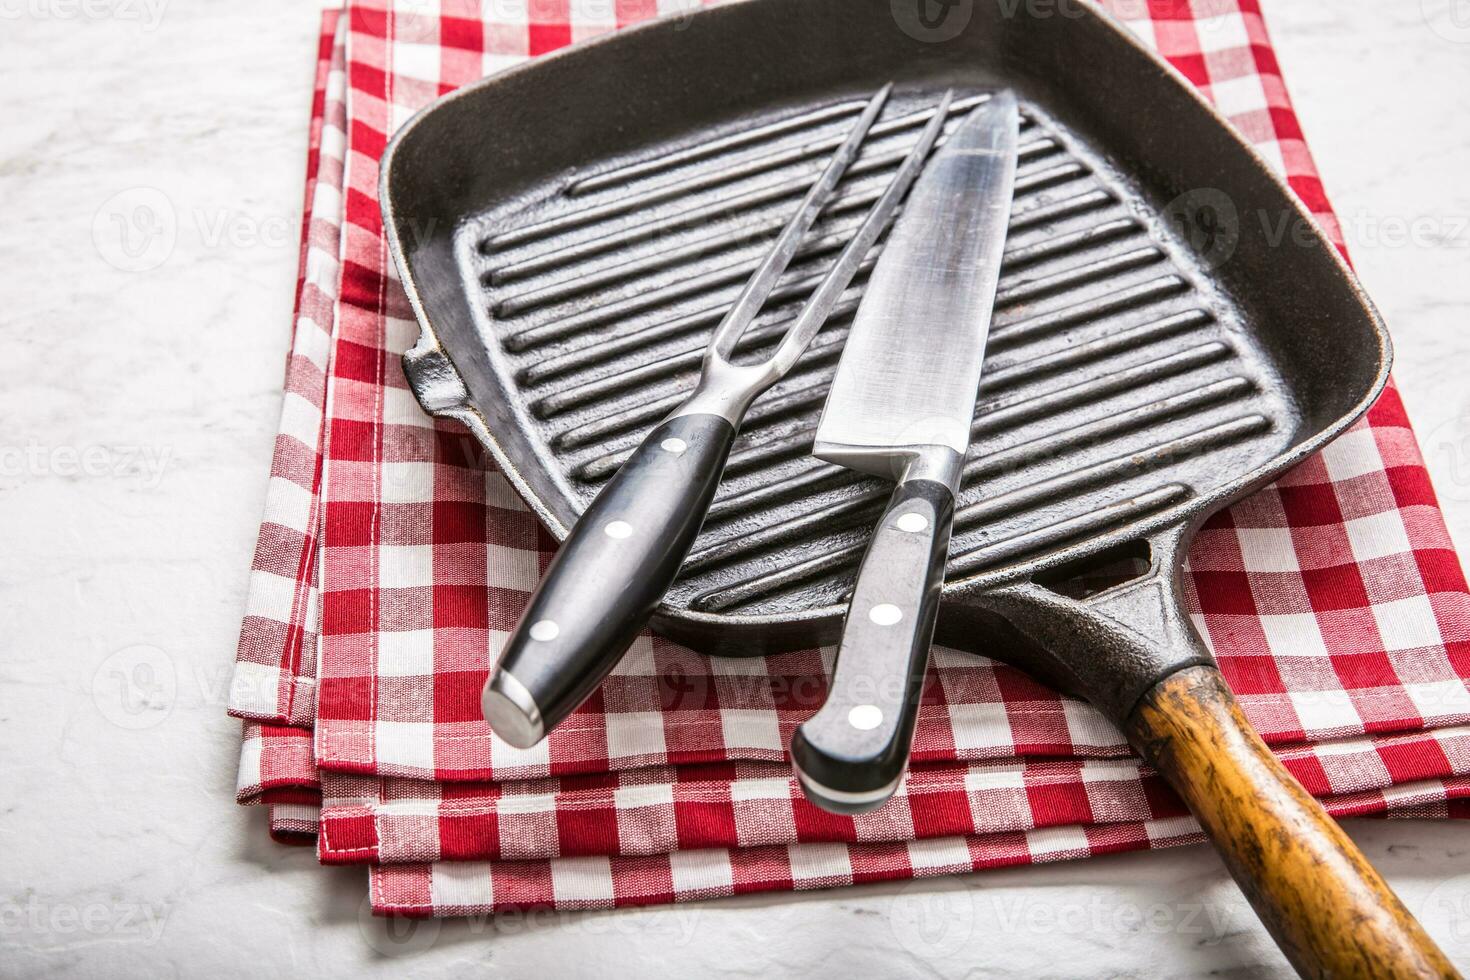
[
  {"x": 608, "y": 577},
  {"x": 851, "y": 755}
]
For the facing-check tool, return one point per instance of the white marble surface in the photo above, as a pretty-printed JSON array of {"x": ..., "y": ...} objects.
[{"x": 136, "y": 416}]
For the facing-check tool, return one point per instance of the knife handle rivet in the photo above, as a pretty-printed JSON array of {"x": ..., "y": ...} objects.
[
  {"x": 865, "y": 717},
  {"x": 618, "y": 529},
  {"x": 544, "y": 630},
  {"x": 912, "y": 522},
  {"x": 885, "y": 614},
  {"x": 674, "y": 446}
]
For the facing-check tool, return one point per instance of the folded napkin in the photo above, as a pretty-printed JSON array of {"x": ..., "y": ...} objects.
[{"x": 393, "y": 562}]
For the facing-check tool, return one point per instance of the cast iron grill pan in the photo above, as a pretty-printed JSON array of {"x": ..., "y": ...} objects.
[{"x": 570, "y": 232}]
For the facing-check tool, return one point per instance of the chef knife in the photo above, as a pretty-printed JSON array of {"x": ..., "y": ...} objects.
[{"x": 900, "y": 407}]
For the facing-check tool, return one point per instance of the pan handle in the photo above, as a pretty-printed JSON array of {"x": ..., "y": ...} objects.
[
  {"x": 608, "y": 577},
  {"x": 851, "y": 755},
  {"x": 1328, "y": 910},
  {"x": 1132, "y": 651}
]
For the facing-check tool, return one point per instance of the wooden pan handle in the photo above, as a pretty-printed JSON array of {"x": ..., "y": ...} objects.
[{"x": 1329, "y": 911}]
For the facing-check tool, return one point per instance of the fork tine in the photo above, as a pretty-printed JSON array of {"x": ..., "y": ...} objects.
[
  {"x": 826, "y": 295},
  {"x": 748, "y": 304}
]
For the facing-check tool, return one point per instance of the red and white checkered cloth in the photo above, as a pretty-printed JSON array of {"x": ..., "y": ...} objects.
[{"x": 392, "y": 564}]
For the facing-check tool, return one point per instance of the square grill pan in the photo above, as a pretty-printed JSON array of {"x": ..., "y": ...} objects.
[{"x": 571, "y": 231}]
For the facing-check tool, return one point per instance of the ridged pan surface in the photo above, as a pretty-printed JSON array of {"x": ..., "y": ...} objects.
[
  {"x": 1144, "y": 365},
  {"x": 1104, "y": 351}
]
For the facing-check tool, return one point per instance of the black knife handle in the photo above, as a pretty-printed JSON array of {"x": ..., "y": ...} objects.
[
  {"x": 607, "y": 578},
  {"x": 852, "y": 753}
]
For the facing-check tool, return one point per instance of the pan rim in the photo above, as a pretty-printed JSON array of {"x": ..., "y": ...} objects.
[{"x": 1183, "y": 516}]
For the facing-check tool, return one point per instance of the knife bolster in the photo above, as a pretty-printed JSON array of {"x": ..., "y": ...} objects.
[{"x": 901, "y": 464}]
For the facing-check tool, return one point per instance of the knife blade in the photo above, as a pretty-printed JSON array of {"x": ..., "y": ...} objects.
[{"x": 900, "y": 406}]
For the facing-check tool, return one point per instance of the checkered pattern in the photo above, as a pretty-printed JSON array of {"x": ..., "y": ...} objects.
[
  {"x": 275, "y": 665},
  {"x": 1333, "y": 601},
  {"x": 600, "y": 882},
  {"x": 662, "y": 810}
]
